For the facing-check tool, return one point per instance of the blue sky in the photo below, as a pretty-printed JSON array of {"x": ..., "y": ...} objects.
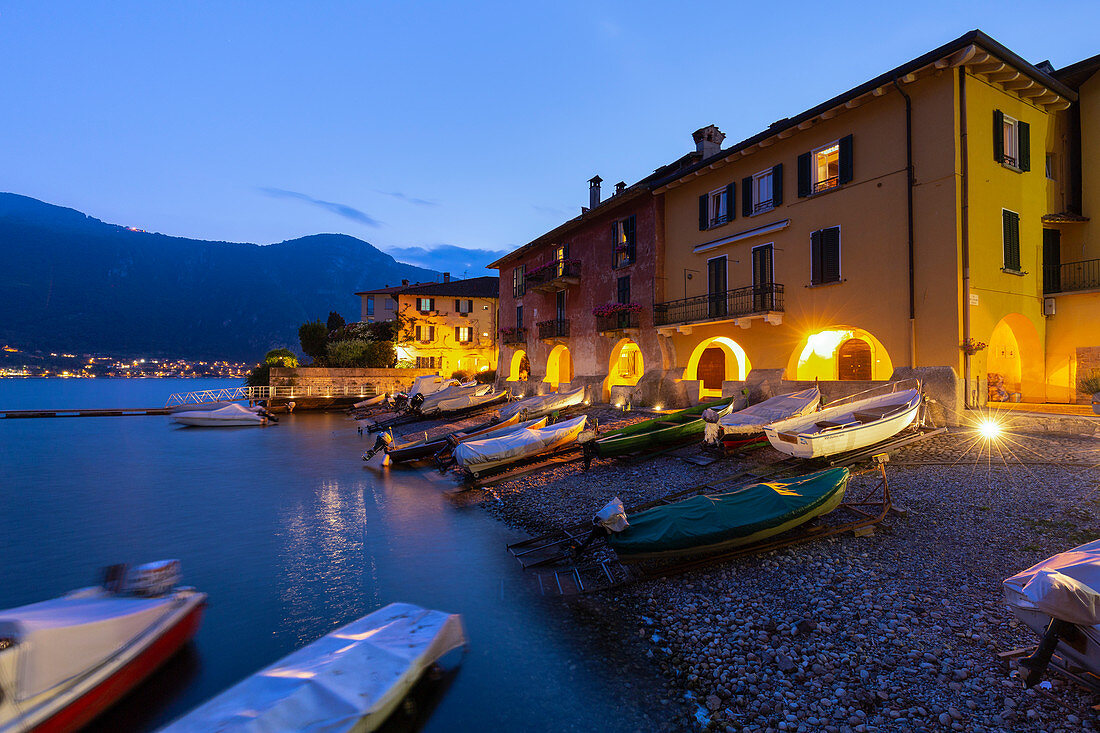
[{"x": 441, "y": 132}]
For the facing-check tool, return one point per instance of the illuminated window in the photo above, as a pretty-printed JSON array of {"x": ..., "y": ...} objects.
[
  {"x": 826, "y": 167},
  {"x": 519, "y": 282},
  {"x": 561, "y": 254},
  {"x": 425, "y": 305},
  {"x": 622, "y": 235},
  {"x": 464, "y": 334}
]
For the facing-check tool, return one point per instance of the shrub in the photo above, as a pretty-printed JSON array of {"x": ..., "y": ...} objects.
[
  {"x": 360, "y": 353},
  {"x": 335, "y": 321},
  {"x": 281, "y": 358},
  {"x": 314, "y": 338},
  {"x": 260, "y": 376},
  {"x": 486, "y": 377},
  {"x": 1089, "y": 382}
]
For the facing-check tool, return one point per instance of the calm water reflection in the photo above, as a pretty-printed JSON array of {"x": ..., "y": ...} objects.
[{"x": 291, "y": 535}]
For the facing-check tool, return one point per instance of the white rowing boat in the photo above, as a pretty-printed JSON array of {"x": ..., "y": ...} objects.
[
  {"x": 348, "y": 680},
  {"x": 232, "y": 415},
  {"x": 65, "y": 660},
  {"x": 849, "y": 424},
  {"x": 481, "y": 455},
  {"x": 378, "y": 399},
  {"x": 542, "y": 404}
]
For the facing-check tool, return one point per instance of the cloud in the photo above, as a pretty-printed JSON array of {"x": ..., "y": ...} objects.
[
  {"x": 459, "y": 261},
  {"x": 409, "y": 199},
  {"x": 348, "y": 212}
]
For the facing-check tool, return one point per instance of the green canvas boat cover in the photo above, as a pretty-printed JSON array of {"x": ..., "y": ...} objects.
[{"x": 738, "y": 518}]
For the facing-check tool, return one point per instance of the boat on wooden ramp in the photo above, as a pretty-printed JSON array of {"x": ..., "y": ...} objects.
[
  {"x": 419, "y": 449},
  {"x": 480, "y": 396},
  {"x": 855, "y": 422},
  {"x": 66, "y": 660},
  {"x": 543, "y": 404},
  {"x": 717, "y": 522},
  {"x": 348, "y": 680},
  {"x": 376, "y": 401},
  {"x": 683, "y": 426},
  {"x": 481, "y": 455},
  {"x": 1059, "y": 599},
  {"x": 230, "y": 416},
  {"x": 745, "y": 428}
]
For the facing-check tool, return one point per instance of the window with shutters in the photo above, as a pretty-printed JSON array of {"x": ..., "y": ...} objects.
[
  {"x": 425, "y": 334},
  {"x": 425, "y": 305},
  {"x": 519, "y": 283},
  {"x": 425, "y": 362},
  {"x": 624, "y": 246},
  {"x": 825, "y": 256},
  {"x": 1011, "y": 154},
  {"x": 519, "y": 316},
  {"x": 1011, "y": 142},
  {"x": 1010, "y": 225},
  {"x": 561, "y": 254},
  {"x": 826, "y": 167},
  {"x": 719, "y": 209},
  {"x": 464, "y": 334},
  {"x": 762, "y": 186},
  {"x": 463, "y": 307}
]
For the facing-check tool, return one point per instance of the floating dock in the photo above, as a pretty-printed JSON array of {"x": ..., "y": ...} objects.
[{"x": 115, "y": 412}]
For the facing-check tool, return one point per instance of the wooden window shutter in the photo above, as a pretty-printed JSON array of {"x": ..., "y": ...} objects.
[
  {"x": 803, "y": 175},
  {"x": 458, "y": 335},
  {"x": 777, "y": 184},
  {"x": 704, "y": 213},
  {"x": 431, "y": 333},
  {"x": 458, "y": 306},
  {"x": 731, "y": 201},
  {"x": 847, "y": 171},
  {"x": 1023, "y": 147},
  {"x": 830, "y": 255},
  {"x": 1011, "y": 226},
  {"x": 631, "y": 248},
  {"x": 746, "y": 196},
  {"x": 418, "y": 333},
  {"x": 998, "y": 136},
  {"x": 815, "y": 258}
]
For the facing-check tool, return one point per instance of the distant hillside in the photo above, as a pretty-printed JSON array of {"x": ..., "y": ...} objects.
[{"x": 74, "y": 283}]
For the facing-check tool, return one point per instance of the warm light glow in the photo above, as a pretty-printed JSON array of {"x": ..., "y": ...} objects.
[
  {"x": 619, "y": 405},
  {"x": 824, "y": 344},
  {"x": 989, "y": 428},
  {"x": 658, "y": 407}
]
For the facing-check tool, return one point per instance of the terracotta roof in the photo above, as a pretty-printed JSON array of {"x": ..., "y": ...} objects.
[{"x": 389, "y": 289}]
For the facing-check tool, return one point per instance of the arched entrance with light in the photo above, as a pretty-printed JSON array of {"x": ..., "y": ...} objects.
[
  {"x": 520, "y": 368},
  {"x": 840, "y": 353},
  {"x": 624, "y": 368},
  {"x": 1014, "y": 360},
  {"x": 559, "y": 366},
  {"x": 716, "y": 360}
]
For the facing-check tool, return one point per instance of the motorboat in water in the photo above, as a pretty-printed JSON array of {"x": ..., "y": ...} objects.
[
  {"x": 351, "y": 679},
  {"x": 712, "y": 523},
  {"x": 232, "y": 415},
  {"x": 745, "y": 428},
  {"x": 477, "y": 456},
  {"x": 855, "y": 422},
  {"x": 545, "y": 404},
  {"x": 1059, "y": 599},
  {"x": 675, "y": 428},
  {"x": 66, "y": 660}
]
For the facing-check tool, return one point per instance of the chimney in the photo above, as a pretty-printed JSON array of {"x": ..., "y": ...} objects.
[
  {"x": 708, "y": 140},
  {"x": 594, "y": 191},
  {"x": 404, "y": 282},
  {"x": 446, "y": 277},
  {"x": 620, "y": 187}
]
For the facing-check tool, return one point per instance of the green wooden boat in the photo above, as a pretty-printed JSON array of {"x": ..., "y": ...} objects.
[
  {"x": 705, "y": 524},
  {"x": 683, "y": 426}
]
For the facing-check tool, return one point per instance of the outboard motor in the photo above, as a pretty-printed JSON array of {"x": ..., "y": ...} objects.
[
  {"x": 416, "y": 402},
  {"x": 114, "y": 578},
  {"x": 380, "y": 444}
]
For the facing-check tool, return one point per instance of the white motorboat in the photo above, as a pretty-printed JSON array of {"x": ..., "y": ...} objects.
[
  {"x": 481, "y": 455},
  {"x": 544, "y": 404},
  {"x": 66, "y": 660},
  {"x": 232, "y": 415},
  {"x": 1059, "y": 599},
  {"x": 429, "y": 383},
  {"x": 348, "y": 680},
  {"x": 745, "y": 427},
  {"x": 429, "y": 404},
  {"x": 480, "y": 397},
  {"x": 849, "y": 424}
]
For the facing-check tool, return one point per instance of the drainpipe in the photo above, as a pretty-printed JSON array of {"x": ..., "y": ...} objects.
[
  {"x": 964, "y": 222},
  {"x": 909, "y": 183}
]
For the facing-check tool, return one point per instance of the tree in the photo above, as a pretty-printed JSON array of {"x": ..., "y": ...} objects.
[
  {"x": 335, "y": 321},
  {"x": 259, "y": 376},
  {"x": 313, "y": 337},
  {"x": 281, "y": 358}
]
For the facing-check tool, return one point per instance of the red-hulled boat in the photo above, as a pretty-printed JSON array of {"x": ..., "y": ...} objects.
[{"x": 66, "y": 660}]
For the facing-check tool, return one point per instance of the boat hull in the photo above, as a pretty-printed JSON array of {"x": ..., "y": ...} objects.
[{"x": 651, "y": 434}]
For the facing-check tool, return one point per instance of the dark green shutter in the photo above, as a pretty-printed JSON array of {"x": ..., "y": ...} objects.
[
  {"x": 777, "y": 184},
  {"x": 1024, "y": 146},
  {"x": 731, "y": 201},
  {"x": 457, "y": 336},
  {"x": 1010, "y": 224},
  {"x": 815, "y": 258},
  {"x": 704, "y": 218},
  {"x": 830, "y": 255},
  {"x": 458, "y": 306},
  {"x": 998, "y": 136},
  {"x": 746, "y": 196},
  {"x": 631, "y": 248},
  {"x": 803, "y": 175},
  {"x": 847, "y": 171}
]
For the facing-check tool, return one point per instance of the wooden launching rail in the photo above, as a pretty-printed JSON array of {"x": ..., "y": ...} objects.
[
  {"x": 561, "y": 571},
  {"x": 114, "y": 412}
]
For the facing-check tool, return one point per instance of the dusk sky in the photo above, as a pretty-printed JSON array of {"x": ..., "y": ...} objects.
[{"x": 425, "y": 127}]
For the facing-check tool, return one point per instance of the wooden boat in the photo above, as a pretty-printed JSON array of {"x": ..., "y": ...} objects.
[
  {"x": 480, "y": 397},
  {"x": 704, "y": 524},
  {"x": 375, "y": 401},
  {"x": 232, "y": 415},
  {"x": 543, "y": 404},
  {"x": 745, "y": 428},
  {"x": 477, "y": 456},
  {"x": 419, "y": 449},
  {"x": 348, "y": 680},
  {"x": 683, "y": 426},
  {"x": 66, "y": 660},
  {"x": 849, "y": 424},
  {"x": 1059, "y": 599}
]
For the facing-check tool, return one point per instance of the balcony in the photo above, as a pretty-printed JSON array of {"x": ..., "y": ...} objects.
[
  {"x": 616, "y": 322},
  {"x": 513, "y": 336},
  {"x": 1070, "y": 276},
  {"x": 736, "y": 303},
  {"x": 554, "y": 276},
  {"x": 554, "y": 329}
]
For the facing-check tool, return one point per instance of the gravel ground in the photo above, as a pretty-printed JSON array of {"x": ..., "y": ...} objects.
[{"x": 897, "y": 631}]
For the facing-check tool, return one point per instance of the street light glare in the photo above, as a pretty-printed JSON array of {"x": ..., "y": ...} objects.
[{"x": 989, "y": 429}]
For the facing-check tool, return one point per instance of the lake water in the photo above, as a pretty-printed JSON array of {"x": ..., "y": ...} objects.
[{"x": 291, "y": 535}]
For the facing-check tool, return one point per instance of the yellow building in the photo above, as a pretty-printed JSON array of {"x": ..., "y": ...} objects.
[
  {"x": 897, "y": 226},
  {"x": 448, "y": 327}
]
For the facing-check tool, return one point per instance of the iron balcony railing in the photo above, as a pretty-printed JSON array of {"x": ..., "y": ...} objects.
[
  {"x": 514, "y": 336},
  {"x": 1069, "y": 276},
  {"x": 617, "y": 321},
  {"x": 730, "y": 304},
  {"x": 766, "y": 205},
  {"x": 826, "y": 184},
  {"x": 558, "y": 328},
  {"x": 556, "y": 271},
  {"x": 719, "y": 221}
]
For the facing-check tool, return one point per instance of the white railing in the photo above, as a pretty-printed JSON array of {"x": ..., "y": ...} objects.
[
  {"x": 208, "y": 395},
  {"x": 254, "y": 394}
]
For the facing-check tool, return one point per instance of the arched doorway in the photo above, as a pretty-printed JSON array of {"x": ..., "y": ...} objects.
[
  {"x": 520, "y": 368},
  {"x": 840, "y": 352},
  {"x": 625, "y": 366},
  {"x": 1014, "y": 360},
  {"x": 559, "y": 366},
  {"x": 716, "y": 360}
]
